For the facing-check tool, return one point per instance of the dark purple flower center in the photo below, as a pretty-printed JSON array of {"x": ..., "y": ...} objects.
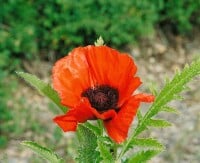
[{"x": 102, "y": 97}]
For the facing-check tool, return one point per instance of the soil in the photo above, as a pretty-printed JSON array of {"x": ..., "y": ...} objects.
[{"x": 156, "y": 58}]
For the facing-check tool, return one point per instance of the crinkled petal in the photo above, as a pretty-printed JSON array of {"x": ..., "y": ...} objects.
[
  {"x": 117, "y": 128},
  {"x": 71, "y": 76},
  {"x": 128, "y": 89}
]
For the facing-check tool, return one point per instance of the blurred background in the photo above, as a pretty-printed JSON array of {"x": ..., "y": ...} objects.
[{"x": 161, "y": 35}]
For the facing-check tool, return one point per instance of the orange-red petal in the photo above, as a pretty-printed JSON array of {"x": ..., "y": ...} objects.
[
  {"x": 79, "y": 114},
  {"x": 143, "y": 97},
  {"x": 117, "y": 128}
]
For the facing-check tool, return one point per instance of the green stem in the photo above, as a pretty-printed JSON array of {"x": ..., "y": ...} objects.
[
  {"x": 100, "y": 124},
  {"x": 115, "y": 148}
]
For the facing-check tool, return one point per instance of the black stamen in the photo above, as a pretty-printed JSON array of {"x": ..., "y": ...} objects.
[{"x": 102, "y": 97}]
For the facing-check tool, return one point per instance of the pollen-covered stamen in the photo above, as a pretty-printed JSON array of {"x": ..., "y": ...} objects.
[{"x": 102, "y": 97}]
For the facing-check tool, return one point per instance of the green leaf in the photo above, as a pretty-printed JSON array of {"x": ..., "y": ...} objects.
[
  {"x": 170, "y": 110},
  {"x": 143, "y": 156},
  {"x": 87, "y": 145},
  {"x": 43, "y": 152},
  {"x": 146, "y": 142},
  {"x": 94, "y": 128},
  {"x": 172, "y": 89},
  {"x": 43, "y": 88},
  {"x": 105, "y": 152},
  {"x": 158, "y": 123}
]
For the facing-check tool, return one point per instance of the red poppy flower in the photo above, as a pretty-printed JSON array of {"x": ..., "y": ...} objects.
[{"x": 97, "y": 82}]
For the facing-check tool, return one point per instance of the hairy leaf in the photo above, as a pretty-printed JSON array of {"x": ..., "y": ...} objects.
[
  {"x": 43, "y": 152},
  {"x": 146, "y": 142},
  {"x": 173, "y": 88},
  {"x": 43, "y": 88},
  {"x": 105, "y": 152},
  {"x": 87, "y": 145}
]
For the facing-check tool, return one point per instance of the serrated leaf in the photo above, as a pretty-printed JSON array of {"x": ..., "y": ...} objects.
[
  {"x": 167, "y": 94},
  {"x": 43, "y": 152},
  {"x": 158, "y": 123},
  {"x": 105, "y": 152},
  {"x": 143, "y": 156},
  {"x": 170, "y": 110},
  {"x": 87, "y": 145},
  {"x": 146, "y": 142},
  {"x": 43, "y": 88},
  {"x": 172, "y": 89}
]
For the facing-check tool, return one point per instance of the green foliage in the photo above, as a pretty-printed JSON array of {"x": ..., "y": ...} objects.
[
  {"x": 3, "y": 141},
  {"x": 57, "y": 26},
  {"x": 180, "y": 14},
  {"x": 5, "y": 112},
  {"x": 43, "y": 152},
  {"x": 49, "y": 29},
  {"x": 43, "y": 88},
  {"x": 170, "y": 92}
]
